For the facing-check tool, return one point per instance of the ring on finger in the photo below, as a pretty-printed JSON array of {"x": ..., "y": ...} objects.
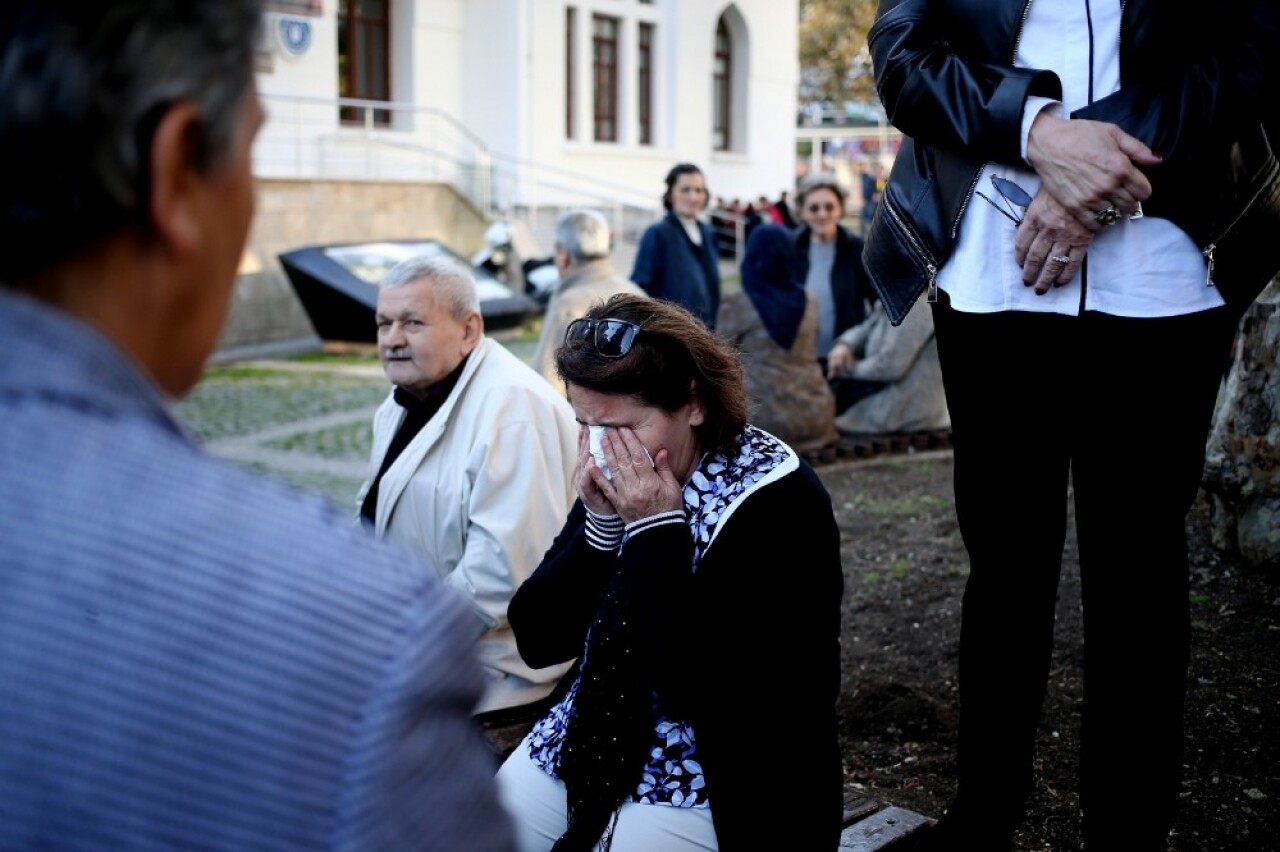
[
  {"x": 1107, "y": 217},
  {"x": 1060, "y": 258}
]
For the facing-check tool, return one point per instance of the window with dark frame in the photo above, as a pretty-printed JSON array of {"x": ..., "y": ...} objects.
[
  {"x": 570, "y": 47},
  {"x": 310, "y": 8},
  {"x": 604, "y": 52},
  {"x": 722, "y": 89},
  {"x": 645, "y": 83},
  {"x": 364, "y": 61}
]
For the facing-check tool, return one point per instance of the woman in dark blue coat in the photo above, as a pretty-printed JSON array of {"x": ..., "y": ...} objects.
[{"x": 677, "y": 255}]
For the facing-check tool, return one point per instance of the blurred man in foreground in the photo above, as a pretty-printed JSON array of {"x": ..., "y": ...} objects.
[{"x": 192, "y": 656}]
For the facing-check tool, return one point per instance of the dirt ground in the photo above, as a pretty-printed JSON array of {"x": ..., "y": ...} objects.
[{"x": 905, "y": 570}]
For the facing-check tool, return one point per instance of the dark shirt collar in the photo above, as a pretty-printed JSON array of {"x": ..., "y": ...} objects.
[
  {"x": 418, "y": 412},
  {"x": 436, "y": 394}
]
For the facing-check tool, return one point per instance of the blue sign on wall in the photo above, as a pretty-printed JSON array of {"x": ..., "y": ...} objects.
[{"x": 294, "y": 35}]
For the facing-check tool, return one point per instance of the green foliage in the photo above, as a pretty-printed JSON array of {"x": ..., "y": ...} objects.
[{"x": 834, "y": 61}]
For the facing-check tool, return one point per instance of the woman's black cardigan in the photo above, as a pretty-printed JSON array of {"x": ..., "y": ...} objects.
[{"x": 746, "y": 649}]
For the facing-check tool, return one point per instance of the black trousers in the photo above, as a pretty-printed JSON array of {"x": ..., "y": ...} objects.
[{"x": 1122, "y": 407}]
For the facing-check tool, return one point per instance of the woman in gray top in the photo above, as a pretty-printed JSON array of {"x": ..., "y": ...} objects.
[{"x": 829, "y": 259}]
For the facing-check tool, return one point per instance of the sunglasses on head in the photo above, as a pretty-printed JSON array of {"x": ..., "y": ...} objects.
[
  {"x": 612, "y": 338},
  {"x": 1012, "y": 195}
]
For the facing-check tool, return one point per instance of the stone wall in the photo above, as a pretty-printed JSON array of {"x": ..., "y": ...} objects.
[
  {"x": 1242, "y": 465},
  {"x": 292, "y": 214}
]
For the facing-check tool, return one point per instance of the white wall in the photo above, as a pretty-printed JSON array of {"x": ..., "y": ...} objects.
[
  {"x": 498, "y": 68},
  {"x": 493, "y": 60},
  {"x": 684, "y": 54}
]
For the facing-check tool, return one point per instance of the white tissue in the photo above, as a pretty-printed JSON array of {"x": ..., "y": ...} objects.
[{"x": 594, "y": 434}]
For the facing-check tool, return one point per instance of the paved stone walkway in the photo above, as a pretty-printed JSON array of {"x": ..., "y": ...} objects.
[{"x": 306, "y": 421}]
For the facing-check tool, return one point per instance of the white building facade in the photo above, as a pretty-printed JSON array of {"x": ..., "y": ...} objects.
[
  {"x": 429, "y": 119},
  {"x": 528, "y": 102}
]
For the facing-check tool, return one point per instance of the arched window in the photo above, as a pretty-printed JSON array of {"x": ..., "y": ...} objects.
[{"x": 722, "y": 93}]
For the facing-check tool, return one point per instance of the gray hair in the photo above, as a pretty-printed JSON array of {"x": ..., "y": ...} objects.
[
  {"x": 820, "y": 180},
  {"x": 584, "y": 234},
  {"x": 83, "y": 86},
  {"x": 452, "y": 283}
]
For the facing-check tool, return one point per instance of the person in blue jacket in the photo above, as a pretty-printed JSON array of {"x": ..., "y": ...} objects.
[{"x": 677, "y": 258}]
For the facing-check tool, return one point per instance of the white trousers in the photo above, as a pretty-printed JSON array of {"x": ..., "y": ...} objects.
[{"x": 536, "y": 802}]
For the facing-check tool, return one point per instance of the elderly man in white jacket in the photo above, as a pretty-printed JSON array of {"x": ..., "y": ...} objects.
[{"x": 473, "y": 458}]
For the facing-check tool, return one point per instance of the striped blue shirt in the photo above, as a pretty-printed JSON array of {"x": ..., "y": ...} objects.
[{"x": 194, "y": 657}]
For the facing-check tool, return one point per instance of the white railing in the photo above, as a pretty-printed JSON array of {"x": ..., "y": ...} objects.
[{"x": 352, "y": 139}]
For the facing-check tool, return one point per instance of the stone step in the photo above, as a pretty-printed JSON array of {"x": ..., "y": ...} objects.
[
  {"x": 872, "y": 826},
  {"x": 868, "y": 446}
]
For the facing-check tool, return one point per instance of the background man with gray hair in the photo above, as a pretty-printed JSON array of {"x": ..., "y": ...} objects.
[
  {"x": 193, "y": 657},
  {"x": 583, "y": 244},
  {"x": 473, "y": 459}
]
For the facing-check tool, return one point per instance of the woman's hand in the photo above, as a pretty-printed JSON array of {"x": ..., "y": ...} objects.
[
  {"x": 589, "y": 476},
  {"x": 1089, "y": 166},
  {"x": 840, "y": 360},
  {"x": 1047, "y": 234},
  {"x": 639, "y": 488}
]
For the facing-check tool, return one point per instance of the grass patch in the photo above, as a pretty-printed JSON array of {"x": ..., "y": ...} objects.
[
  {"x": 338, "y": 359},
  {"x": 350, "y": 441},
  {"x": 901, "y": 508},
  {"x": 241, "y": 403},
  {"x": 215, "y": 374}
]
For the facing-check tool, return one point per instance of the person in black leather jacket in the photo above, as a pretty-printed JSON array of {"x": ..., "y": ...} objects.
[{"x": 1068, "y": 172}]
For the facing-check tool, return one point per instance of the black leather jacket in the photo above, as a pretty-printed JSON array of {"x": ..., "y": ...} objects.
[{"x": 1195, "y": 87}]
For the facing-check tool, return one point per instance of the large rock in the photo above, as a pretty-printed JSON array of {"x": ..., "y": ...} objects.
[{"x": 1242, "y": 464}]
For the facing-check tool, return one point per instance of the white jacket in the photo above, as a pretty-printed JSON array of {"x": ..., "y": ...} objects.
[{"x": 481, "y": 492}]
